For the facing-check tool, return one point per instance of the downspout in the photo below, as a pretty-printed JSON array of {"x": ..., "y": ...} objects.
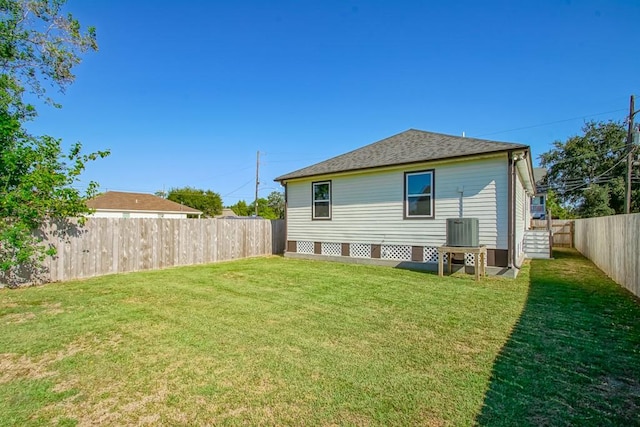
[
  {"x": 516, "y": 163},
  {"x": 286, "y": 216},
  {"x": 511, "y": 170}
]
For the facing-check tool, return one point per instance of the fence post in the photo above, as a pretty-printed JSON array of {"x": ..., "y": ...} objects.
[
  {"x": 550, "y": 231},
  {"x": 572, "y": 231}
]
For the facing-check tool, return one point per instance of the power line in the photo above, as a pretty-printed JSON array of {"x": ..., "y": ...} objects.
[
  {"x": 580, "y": 181},
  {"x": 602, "y": 174},
  {"x": 227, "y": 173},
  {"x": 239, "y": 188},
  {"x": 551, "y": 123},
  {"x": 293, "y": 160},
  {"x": 594, "y": 154}
]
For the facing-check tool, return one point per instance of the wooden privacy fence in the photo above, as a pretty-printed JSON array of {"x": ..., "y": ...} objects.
[
  {"x": 563, "y": 230},
  {"x": 613, "y": 244},
  {"x": 118, "y": 245}
]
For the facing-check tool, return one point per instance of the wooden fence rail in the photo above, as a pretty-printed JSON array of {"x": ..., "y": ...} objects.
[
  {"x": 118, "y": 245},
  {"x": 613, "y": 244},
  {"x": 563, "y": 230}
]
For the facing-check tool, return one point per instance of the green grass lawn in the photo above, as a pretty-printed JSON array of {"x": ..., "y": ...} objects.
[{"x": 274, "y": 341}]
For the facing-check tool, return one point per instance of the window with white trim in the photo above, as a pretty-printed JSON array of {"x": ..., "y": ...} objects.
[
  {"x": 321, "y": 194},
  {"x": 418, "y": 194}
]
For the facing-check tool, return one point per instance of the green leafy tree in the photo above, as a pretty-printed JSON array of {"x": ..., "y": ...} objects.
[
  {"x": 557, "y": 210},
  {"x": 596, "y": 202},
  {"x": 38, "y": 45},
  {"x": 207, "y": 201},
  {"x": 275, "y": 200},
  {"x": 240, "y": 208},
  {"x": 264, "y": 210},
  {"x": 587, "y": 171}
]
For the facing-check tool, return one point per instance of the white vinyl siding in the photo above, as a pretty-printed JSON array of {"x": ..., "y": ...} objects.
[{"x": 368, "y": 207}]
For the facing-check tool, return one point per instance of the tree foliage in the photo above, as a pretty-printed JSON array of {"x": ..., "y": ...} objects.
[
  {"x": 275, "y": 200},
  {"x": 557, "y": 210},
  {"x": 207, "y": 201},
  {"x": 596, "y": 202},
  {"x": 240, "y": 208},
  {"x": 38, "y": 45},
  {"x": 270, "y": 208},
  {"x": 264, "y": 210},
  {"x": 587, "y": 171}
]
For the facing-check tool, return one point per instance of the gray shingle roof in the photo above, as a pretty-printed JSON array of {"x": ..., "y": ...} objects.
[
  {"x": 411, "y": 146},
  {"x": 539, "y": 174}
]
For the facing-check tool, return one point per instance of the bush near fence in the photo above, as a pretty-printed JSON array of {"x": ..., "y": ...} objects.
[{"x": 119, "y": 245}]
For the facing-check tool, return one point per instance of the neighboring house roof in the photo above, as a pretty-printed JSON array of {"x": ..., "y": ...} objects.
[
  {"x": 227, "y": 212},
  {"x": 539, "y": 174},
  {"x": 411, "y": 146},
  {"x": 540, "y": 177},
  {"x": 120, "y": 201}
]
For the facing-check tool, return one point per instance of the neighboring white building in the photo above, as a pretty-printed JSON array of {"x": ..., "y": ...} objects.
[
  {"x": 539, "y": 200},
  {"x": 117, "y": 204},
  {"x": 391, "y": 199}
]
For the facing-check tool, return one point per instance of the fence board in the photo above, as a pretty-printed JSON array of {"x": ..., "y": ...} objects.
[
  {"x": 613, "y": 244},
  {"x": 562, "y": 230},
  {"x": 116, "y": 245}
]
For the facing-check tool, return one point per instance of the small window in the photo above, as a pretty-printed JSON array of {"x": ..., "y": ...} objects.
[
  {"x": 418, "y": 194},
  {"x": 321, "y": 200}
]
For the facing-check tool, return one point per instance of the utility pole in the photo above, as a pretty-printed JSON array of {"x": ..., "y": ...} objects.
[
  {"x": 257, "y": 180},
  {"x": 627, "y": 200}
]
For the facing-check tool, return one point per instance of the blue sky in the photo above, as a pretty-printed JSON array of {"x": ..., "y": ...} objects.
[{"x": 185, "y": 93}]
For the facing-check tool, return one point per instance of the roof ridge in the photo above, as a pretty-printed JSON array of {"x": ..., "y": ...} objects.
[
  {"x": 410, "y": 146},
  {"x": 462, "y": 137},
  {"x": 122, "y": 200}
]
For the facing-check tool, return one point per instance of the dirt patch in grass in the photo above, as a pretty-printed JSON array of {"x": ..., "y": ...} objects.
[
  {"x": 18, "y": 317},
  {"x": 233, "y": 275},
  {"x": 14, "y": 366},
  {"x": 431, "y": 420},
  {"x": 104, "y": 397},
  {"x": 26, "y": 316},
  {"x": 107, "y": 404},
  {"x": 53, "y": 308}
]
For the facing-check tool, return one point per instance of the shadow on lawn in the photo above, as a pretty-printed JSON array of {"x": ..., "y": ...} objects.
[{"x": 573, "y": 357}]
